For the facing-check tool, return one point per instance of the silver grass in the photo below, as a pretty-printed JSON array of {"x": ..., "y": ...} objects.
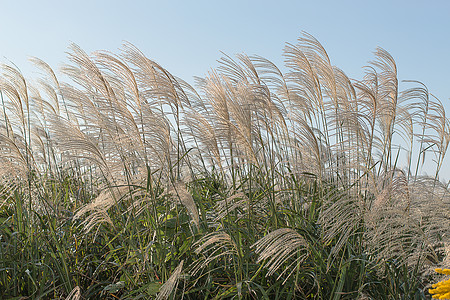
[
  {"x": 125, "y": 114},
  {"x": 171, "y": 283},
  {"x": 181, "y": 195},
  {"x": 211, "y": 247},
  {"x": 216, "y": 94},
  {"x": 393, "y": 235},
  {"x": 71, "y": 139},
  {"x": 237, "y": 202},
  {"x": 392, "y": 229},
  {"x": 75, "y": 294},
  {"x": 51, "y": 86},
  {"x": 16, "y": 83},
  {"x": 14, "y": 152},
  {"x": 280, "y": 247},
  {"x": 97, "y": 210},
  {"x": 340, "y": 218},
  {"x": 9, "y": 185},
  {"x": 434, "y": 218},
  {"x": 242, "y": 127},
  {"x": 203, "y": 132}
]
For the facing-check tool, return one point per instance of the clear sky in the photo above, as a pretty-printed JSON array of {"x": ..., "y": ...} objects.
[{"x": 187, "y": 37}]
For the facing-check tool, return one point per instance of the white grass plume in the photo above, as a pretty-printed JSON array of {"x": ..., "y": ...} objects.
[
  {"x": 180, "y": 194},
  {"x": 280, "y": 247},
  {"x": 75, "y": 294},
  {"x": 211, "y": 247},
  {"x": 171, "y": 283},
  {"x": 97, "y": 210}
]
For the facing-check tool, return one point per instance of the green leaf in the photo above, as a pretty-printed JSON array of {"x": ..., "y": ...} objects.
[
  {"x": 114, "y": 287},
  {"x": 153, "y": 288}
]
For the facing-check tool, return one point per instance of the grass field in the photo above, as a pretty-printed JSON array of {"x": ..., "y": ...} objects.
[{"x": 260, "y": 183}]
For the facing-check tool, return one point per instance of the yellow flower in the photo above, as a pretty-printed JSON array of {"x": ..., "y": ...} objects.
[
  {"x": 441, "y": 290},
  {"x": 443, "y": 271}
]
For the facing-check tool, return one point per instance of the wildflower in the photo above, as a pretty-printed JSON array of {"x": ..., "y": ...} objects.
[{"x": 441, "y": 290}]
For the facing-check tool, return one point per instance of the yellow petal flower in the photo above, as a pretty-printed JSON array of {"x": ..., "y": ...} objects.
[
  {"x": 441, "y": 290},
  {"x": 443, "y": 271}
]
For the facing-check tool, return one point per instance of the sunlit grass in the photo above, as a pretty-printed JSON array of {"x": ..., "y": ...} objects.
[{"x": 259, "y": 183}]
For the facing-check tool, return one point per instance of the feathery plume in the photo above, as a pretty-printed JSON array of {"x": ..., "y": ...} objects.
[
  {"x": 279, "y": 247},
  {"x": 171, "y": 283}
]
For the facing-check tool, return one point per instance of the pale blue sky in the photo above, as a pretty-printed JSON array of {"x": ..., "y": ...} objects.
[{"x": 186, "y": 37}]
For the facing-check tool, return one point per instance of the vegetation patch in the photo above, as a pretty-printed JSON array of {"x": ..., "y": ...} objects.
[{"x": 259, "y": 183}]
